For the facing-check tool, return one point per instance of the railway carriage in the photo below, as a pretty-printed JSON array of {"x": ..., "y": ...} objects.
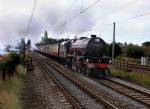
[
  {"x": 62, "y": 49},
  {"x": 51, "y": 49}
]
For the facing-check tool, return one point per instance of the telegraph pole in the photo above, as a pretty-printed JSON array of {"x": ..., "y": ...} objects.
[{"x": 113, "y": 43}]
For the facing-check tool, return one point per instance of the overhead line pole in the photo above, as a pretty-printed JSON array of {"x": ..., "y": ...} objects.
[
  {"x": 113, "y": 43},
  {"x": 28, "y": 26}
]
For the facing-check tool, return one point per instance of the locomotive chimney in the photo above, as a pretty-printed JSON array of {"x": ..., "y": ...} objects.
[{"x": 93, "y": 36}]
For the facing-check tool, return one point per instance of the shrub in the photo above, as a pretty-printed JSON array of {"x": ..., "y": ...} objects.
[
  {"x": 9, "y": 65},
  {"x": 135, "y": 77},
  {"x": 134, "y": 51},
  {"x": 118, "y": 50}
]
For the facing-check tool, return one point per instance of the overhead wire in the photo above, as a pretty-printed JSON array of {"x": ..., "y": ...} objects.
[
  {"x": 83, "y": 11},
  {"x": 31, "y": 16},
  {"x": 67, "y": 11},
  {"x": 77, "y": 15},
  {"x": 128, "y": 19},
  {"x": 117, "y": 9},
  {"x": 134, "y": 17}
]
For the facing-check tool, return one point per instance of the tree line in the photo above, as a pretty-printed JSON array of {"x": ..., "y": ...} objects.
[
  {"x": 125, "y": 50},
  {"x": 130, "y": 50}
]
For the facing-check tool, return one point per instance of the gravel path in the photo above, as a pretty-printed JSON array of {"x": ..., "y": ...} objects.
[{"x": 41, "y": 93}]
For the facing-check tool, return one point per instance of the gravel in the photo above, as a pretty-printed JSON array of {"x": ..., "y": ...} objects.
[
  {"x": 86, "y": 101},
  {"x": 42, "y": 93},
  {"x": 132, "y": 84},
  {"x": 113, "y": 96}
]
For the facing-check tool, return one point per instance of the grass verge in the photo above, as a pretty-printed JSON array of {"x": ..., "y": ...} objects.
[
  {"x": 135, "y": 77},
  {"x": 10, "y": 90}
]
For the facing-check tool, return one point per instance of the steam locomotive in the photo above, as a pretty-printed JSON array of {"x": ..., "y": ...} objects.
[{"x": 84, "y": 55}]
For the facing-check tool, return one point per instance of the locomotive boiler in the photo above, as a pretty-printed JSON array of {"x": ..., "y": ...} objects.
[{"x": 92, "y": 47}]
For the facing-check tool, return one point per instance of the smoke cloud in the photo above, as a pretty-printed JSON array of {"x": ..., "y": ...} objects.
[
  {"x": 45, "y": 18},
  {"x": 14, "y": 28},
  {"x": 55, "y": 20}
]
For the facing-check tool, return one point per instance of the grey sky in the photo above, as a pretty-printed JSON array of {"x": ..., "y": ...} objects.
[{"x": 14, "y": 15}]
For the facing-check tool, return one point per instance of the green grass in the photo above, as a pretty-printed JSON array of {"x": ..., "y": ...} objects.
[
  {"x": 135, "y": 77},
  {"x": 10, "y": 90}
]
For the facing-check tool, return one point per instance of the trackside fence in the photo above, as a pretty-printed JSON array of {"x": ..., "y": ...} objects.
[{"x": 126, "y": 65}]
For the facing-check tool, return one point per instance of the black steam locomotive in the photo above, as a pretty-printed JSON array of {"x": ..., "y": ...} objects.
[{"x": 84, "y": 55}]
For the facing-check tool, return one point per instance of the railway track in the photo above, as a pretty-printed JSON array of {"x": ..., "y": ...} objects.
[
  {"x": 65, "y": 93},
  {"x": 138, "y": 95},
  {"x": 86, "y": 88}
]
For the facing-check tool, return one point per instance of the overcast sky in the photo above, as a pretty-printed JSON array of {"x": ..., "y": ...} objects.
[{"x": 50, "y": 14}]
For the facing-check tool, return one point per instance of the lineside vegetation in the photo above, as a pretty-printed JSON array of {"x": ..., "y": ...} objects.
[
  {"x": 139, "y": 78},
  {"x": 12, "y": 77}
]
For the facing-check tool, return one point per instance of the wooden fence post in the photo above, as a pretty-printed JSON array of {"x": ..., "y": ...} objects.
[
  {"x": 114, "y": 63},
  {"x": 120, "y": 64},
  {"x": 127, "y": 66}
]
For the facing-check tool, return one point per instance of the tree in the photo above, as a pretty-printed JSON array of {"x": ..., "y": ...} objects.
[
  {"x": 45, "y": 37},
  {"x": 146, "y": 48},
  {"x": 146, "y": 43},
  {"x": 8, "y": 47},
  {"x": 8, "y": 66},
  {"x": 134, "y": 51},
  {"x": 45, "y": 40},
  {"x": 118, "y": 50}
]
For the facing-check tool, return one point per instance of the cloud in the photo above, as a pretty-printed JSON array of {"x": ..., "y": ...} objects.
[
  {"x": 14, "y": 16},
  {"x": 53, "y": 18},
  {"x": 15, "y": 28}
]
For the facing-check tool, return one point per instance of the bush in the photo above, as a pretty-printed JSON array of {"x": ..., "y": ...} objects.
[
  {"x": 135, "y": 77},
  {"x": 9, "y": 65},
  {"x": 15, "y": 58},
  {"x": 134, "y": 51},
  {"x": 118, "y": 50}
]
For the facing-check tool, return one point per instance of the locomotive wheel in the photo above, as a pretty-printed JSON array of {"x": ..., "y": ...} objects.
[
  {"x": 103, "y": 72},
  {"x": 74, "y": 67},
  {"x": 87, "y": 72},
  {"x": 93, "y": 73},
  {"x": 79, "y": 69},
  {"x": 108, "y": 72}
]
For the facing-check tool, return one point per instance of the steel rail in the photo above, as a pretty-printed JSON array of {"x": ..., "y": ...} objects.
[
  {"x": 58, "y": 83},
  {"x": 134, "y": 93},
  {"x": 59, "y": 68}
]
